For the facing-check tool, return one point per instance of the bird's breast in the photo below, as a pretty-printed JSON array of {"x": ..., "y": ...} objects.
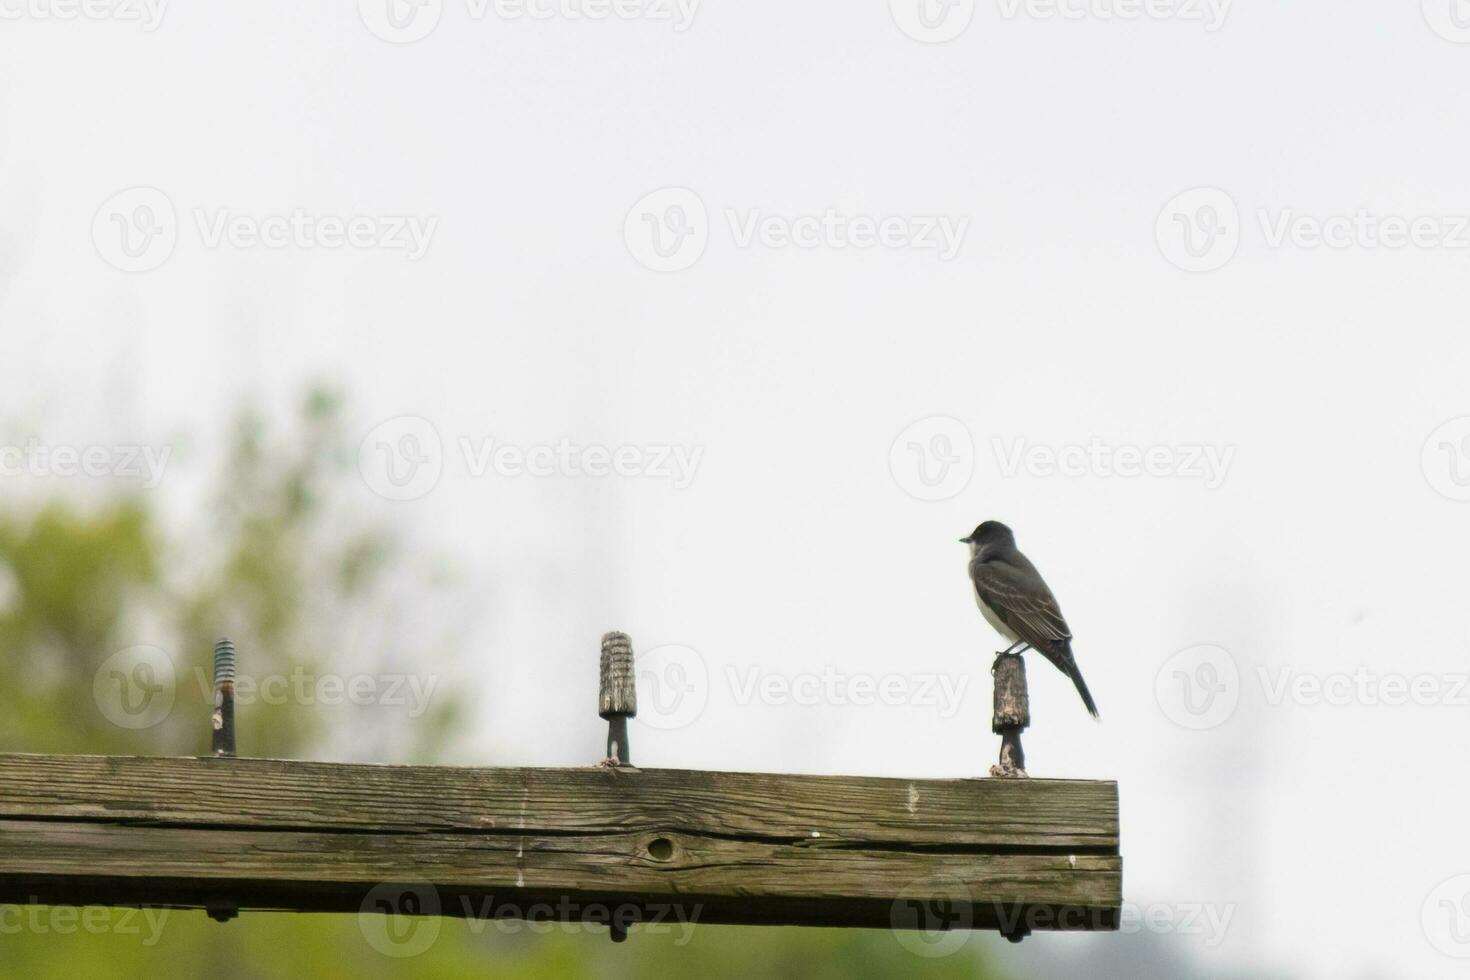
[{"x": 994, "y": 620}]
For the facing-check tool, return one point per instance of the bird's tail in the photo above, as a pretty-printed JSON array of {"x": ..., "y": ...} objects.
[{"x": 1069, "y": 665}]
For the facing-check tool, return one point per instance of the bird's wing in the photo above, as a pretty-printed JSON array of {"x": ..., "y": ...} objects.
[{"x": 1022, "y": 601}]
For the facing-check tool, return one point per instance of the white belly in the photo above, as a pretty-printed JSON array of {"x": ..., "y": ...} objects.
[{"x": 994, "y": 620}]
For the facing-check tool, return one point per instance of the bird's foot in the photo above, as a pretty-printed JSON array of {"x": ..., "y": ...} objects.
[
  {"x": 1007, "y": 772},
  {"x": 611, "y": 762}
]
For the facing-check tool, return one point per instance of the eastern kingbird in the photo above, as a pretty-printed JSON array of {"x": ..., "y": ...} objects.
[{"x": 1016, "y": 602}]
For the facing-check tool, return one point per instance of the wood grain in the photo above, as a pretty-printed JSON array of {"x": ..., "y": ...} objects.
[{"x": 726, "y": 847}]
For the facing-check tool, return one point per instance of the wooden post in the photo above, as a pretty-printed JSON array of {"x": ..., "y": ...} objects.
[
  {"x": 718, "y": 847},
  {"x": 1012, "y": 714}
]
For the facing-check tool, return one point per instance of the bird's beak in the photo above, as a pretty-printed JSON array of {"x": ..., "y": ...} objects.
[{"x": 964, "y": 540}]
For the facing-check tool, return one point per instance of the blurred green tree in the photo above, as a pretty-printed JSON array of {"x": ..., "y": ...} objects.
[{"x": 302, "y": 585}]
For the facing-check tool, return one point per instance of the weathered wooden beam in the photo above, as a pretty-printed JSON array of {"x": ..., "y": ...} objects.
[{"x": 726, "y": 847}]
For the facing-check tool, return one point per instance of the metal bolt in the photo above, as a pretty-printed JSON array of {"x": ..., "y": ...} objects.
[
  {"x": 618, "y": 695},
  {"x": 223, "y": 720}
]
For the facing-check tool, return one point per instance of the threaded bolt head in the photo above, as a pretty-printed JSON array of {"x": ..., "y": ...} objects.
[
  {"x": 618, "y": 695},
  {"x": 224, "y": 661}
]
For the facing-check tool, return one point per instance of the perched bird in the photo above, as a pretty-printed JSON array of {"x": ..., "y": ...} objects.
[{"x": 1016, "y": 602}]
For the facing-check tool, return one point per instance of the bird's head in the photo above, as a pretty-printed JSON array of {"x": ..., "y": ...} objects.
[{"x": 991, "y": 532}]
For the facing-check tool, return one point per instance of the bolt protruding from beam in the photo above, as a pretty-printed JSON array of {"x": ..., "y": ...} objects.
[
  {"x": 617, "y": 698},
  {"x": 1012, "y": 714},
  {"x": 619, "y": 691},
  {"x": 617, "y": 701},
  {"x": 223, "y": 720}
]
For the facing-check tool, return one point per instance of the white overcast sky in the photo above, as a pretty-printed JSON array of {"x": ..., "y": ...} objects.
[{"x": 1057, "y": 148}]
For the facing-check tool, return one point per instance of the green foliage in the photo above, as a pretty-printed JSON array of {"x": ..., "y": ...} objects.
[
  {"x": 71, "y": 577},
  {"x": 282, "y": 566}
]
